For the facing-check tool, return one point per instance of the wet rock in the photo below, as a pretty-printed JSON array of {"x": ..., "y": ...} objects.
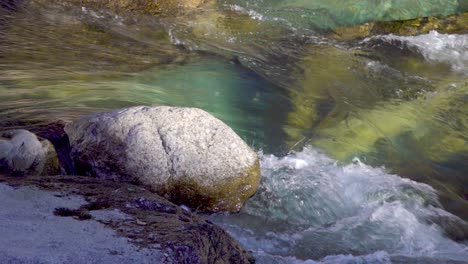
[
  {"x": 22, "y": 153},
  {"x": 77, "y": 214},
  {"x": 455, "y": 24},
  {"x": 152, "y": 205},
  {"x": 159, "y": 7},
  {"x": 32, "y": 232},
  {"x": 453, "y": 227},
  {"x": 10, "y": 5},
  {"x": 185, "y": 154}
]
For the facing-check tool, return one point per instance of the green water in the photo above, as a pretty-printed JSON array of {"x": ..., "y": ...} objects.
[
  {"x": 266, "y": 68},
  {"x": 305, "y": 14}
]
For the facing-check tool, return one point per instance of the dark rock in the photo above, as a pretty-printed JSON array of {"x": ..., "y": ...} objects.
[
  {"x": 156, "y": 7},
  {"x": 75, "y": 213}
]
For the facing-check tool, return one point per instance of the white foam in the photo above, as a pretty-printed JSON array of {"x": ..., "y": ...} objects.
[
  {"x": 310, "y": 207},
  {"x": 252, "y": 14},
  {"x": 438, "y": 48}
]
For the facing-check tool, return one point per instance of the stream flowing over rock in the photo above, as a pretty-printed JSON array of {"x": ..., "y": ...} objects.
[
  {"x": 22, "y": 153},
  {"x": 160, "y": 7},
  {"x": 359, "y": 108},
  {"x": 454, "y": 24},
  {"x": 183, "y": 153}
]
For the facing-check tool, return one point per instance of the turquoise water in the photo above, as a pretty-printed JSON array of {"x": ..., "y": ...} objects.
[
  {"x": 364, "y": 144},
  {"x": 304, "y": 14}
]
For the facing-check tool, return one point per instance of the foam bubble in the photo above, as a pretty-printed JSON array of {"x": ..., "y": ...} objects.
[
  {"x": 437, "y": 48},
  {"x": 309, "y": 207}
]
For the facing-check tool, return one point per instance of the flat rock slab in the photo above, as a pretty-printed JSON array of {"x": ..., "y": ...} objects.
[
  {"x": 31, "y": 233},
  {"x": 73, "y": 219}
]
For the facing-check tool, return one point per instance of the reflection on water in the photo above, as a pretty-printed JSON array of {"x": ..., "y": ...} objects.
[
  {"x": 62, "y": 65},
  {"x": 398, "y": 102},
  {"x": 237, "y": 96}
]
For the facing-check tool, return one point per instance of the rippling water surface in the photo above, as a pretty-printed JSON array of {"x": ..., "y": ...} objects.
[
  {"x": 310, "y": 207},
  {"x": 364, "y": 142}
]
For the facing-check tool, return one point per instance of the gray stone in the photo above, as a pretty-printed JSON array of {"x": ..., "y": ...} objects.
[
  {"x": 31, "y": 233},
  {"x": 185, "y": 154},
  {"x": 22, "y": 153},
  {"x": 124, "y": 224}
]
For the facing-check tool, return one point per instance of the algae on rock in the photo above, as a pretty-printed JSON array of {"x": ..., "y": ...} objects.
[
  {"x": 414, "y": 138},
  {"x": 155, "y": 7},
  {"x": 327, "y": 14},
  {"x": 336, "y": 81},
  {"x": 347, "y": 101},
  {"x": 453, "y": 24},
  {"x": 395, "y": 110}
]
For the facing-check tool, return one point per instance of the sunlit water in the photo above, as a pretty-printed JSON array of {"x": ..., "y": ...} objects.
[
  {"x": 365, "y": 143},
  {"x": 310, "y": 207}
]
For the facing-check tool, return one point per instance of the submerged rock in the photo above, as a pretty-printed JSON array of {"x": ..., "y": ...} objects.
[
  {"x": 22, "y": 153},
  {"x": 389, "y": 107},
  {"x": 185, "y": 154},
  {"x": 326, "y": 14},
  {"x": 455, "y": 24},
  {"x": 162, "y": 7},
  {"x": 10, "y": 5},
  {"x": 333, "y": 81}
]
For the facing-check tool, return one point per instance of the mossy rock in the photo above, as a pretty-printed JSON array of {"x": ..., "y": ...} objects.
[
  {"x": 333, "y": 81},
  {"x": 455, "y": 24},
  {"x": 155, "y": 7},
  {"x": 227, "y": 196}
]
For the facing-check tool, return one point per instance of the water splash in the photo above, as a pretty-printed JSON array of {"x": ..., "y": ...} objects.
[
  {"x": 311, "y": 207},
  {"x": 450, "y": 49}
]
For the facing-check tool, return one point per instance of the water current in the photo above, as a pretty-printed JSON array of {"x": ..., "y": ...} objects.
[{"x": 363, "y": 142}]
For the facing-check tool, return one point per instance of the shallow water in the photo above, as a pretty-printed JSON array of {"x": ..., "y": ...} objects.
[
  {"x": 304, "y": 14},
  {"x": 365, "y": 142}
]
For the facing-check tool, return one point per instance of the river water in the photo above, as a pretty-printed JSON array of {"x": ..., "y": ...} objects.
[{"x": 363, "y": 143}]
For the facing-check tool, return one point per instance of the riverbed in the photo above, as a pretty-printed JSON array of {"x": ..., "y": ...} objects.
[{"x": 363, "y": 142}]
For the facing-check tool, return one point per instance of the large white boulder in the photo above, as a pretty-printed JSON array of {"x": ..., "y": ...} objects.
[
  {"x": 22, "y": 153},
  {"x": 185, "y": 154}
]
